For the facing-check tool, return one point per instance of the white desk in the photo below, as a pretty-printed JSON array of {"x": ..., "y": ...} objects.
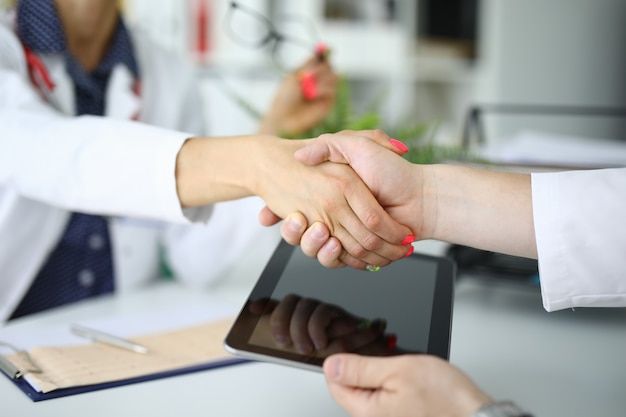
[{"x": 568, "y": 363}]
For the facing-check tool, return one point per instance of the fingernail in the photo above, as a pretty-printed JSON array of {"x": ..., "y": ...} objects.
[
  {"x": 333, "y": 365},
  {"x": 308, "y": 85},
  {"x": 373, "y": 268},
  {"x": 401, "y": 146},
  {"x": 392, "y": 341},
  {"x": 409, "y": 252},
  {"x": 321, "y": 50},
  {"x": 363, "y": 324},
  {"x": 294, "y": 225},
  {"x": 319, "y": 231},
  {"x": 281, "y": 341},
  {"x": 408, "y": 239},
  {"x": 379, "y": 324}
]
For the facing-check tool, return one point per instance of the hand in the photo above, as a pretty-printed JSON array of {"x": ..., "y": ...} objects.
[
  {"x": 401, "y": 386},
  {"x": 395, "y": 182},
  {"x": 312, "y": 327},
  {"x": 209, "y": 170},
  {"x": 291, "y": 111}
]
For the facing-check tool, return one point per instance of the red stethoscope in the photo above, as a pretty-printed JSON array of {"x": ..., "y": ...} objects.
[
  {"x": 41, "y": 80},
  {"x": 39, "y": 76}
]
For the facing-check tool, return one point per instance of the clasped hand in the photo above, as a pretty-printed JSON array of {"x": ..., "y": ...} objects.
[{"x": 392, "y": 180}]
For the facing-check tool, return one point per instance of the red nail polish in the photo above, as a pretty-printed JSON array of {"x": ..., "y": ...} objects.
[
  {"x": 308, "y": 85},
  {"x": 392, "y": 341},
  {"x": 409, "y": 252},
  {"x": 408, "y": 239},
  {"x": 401, "y": 146}
]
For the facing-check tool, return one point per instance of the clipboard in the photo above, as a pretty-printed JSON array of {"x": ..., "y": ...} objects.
[
  {"x": 36, "y": 396},
  {"x": 85, "y": 367}
]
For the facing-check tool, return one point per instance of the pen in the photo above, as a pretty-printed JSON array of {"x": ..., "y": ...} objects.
[{"x": 98, "y": 336}]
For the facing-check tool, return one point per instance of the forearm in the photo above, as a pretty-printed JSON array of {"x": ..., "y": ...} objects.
[
  {"x": 480, "y": 208},
  {"x": 210, "y": 170}
]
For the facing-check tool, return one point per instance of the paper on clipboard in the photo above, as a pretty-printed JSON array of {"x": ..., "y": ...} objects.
[{"x": 179, "y": 341}]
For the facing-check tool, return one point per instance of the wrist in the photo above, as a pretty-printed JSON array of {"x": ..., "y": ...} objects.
[{"x": 427, "y": 176}]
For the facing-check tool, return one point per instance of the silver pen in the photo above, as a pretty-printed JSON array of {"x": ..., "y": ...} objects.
[{"x": 98, "y": 336}]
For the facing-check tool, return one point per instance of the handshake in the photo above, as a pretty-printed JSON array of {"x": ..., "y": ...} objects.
[
  {"x": 350, "y": 198},
  {"x": 376, "y": 216}
]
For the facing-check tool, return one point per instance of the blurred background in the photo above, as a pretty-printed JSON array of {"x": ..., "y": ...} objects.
[{"x": 558, "y": 63}]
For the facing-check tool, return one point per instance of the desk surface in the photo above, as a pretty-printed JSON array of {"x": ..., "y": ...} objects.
[{"x": 555, "y": 364}]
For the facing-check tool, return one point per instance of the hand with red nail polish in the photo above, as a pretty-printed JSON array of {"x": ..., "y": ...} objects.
[
  {"x": 303, "y": 100},
  {"x": 393, "y": 181}
]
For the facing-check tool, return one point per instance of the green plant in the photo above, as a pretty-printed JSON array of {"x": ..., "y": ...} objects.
[{"x": 419, "y": 137}]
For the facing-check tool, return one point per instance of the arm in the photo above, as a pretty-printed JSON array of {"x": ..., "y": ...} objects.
[
  {"x": 480, "y": 208},
  {"x": 219, "y": 169}
]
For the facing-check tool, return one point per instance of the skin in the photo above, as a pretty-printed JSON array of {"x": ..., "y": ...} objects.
[
  {"x": 329, "y": 193},
  {"x": 475, "y": 207},
  {"x": 89, "y": 26},
  {"x": 401, "y": 386},
  {"x": 469, "y": 206},
  {"x": 294, "y": 228}
]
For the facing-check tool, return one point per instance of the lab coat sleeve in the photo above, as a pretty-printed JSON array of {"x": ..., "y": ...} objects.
[
  {"x": 89, "y": 164},
  {"x": 232, "y": 247},
  {"x": 581, "y": 237}
]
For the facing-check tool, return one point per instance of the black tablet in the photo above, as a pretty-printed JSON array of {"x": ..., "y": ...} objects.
[{"x": 299, "y": 312}]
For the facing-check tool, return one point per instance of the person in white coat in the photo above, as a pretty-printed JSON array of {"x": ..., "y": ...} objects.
[
  {"x": 53, "y": 163},
  {"x": 572, "y": 222}
]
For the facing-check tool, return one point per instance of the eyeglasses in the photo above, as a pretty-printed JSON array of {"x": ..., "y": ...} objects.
[{"x": 250, "y": 28}]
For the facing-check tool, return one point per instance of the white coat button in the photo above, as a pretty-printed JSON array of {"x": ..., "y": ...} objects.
[
  {"x": 86, "y": 278},
  {"x": 95, "y": 242}
]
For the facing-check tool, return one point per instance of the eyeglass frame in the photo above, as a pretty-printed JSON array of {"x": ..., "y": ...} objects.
[{"x": 273, "y": 35}]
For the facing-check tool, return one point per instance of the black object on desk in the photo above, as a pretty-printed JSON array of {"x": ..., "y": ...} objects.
[
  {"x": 474, "y": 126},
  {"x": 494, "y": 265}
]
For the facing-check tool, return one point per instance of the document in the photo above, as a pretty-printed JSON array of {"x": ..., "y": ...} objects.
[{"x": 177, "y": 342}]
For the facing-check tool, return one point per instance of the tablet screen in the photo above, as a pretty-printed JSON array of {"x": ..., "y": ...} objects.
[{"x": 403, "y": 308}]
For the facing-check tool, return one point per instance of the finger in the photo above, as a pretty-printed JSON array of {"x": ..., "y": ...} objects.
[
  {"x": 320, "y": 320},
  {"x": 382, "y": 234},
  {"x": 359, "y": 339},
  {"x": 373, "y": 229},
  {"x": 330, "y": 147},
  {"x": 330, "y": 252},
  {"x": 299, "y": 326},
  {"x": 357, "y": 371},
  {"x": 267, "y": 217},
  {"x": 380, "y": 137},
  {"x": 280, "y": 320},
  {"x": 314, "y": 238},
  {"x": 293, "y": 229},
  {"x": 308, "y": 85},
  {"x": 384, "y": 345}
]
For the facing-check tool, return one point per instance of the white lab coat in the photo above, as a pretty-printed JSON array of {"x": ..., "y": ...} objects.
[
  {"x": 580, "y": 229},
  {"x": 52, "y": 164}
]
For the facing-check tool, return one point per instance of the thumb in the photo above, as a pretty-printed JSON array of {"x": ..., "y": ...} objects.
[
  {"x": 318, "y": 151},
  {"x": 362, "y": 372},
  {"x": 338, "y": 147}
]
